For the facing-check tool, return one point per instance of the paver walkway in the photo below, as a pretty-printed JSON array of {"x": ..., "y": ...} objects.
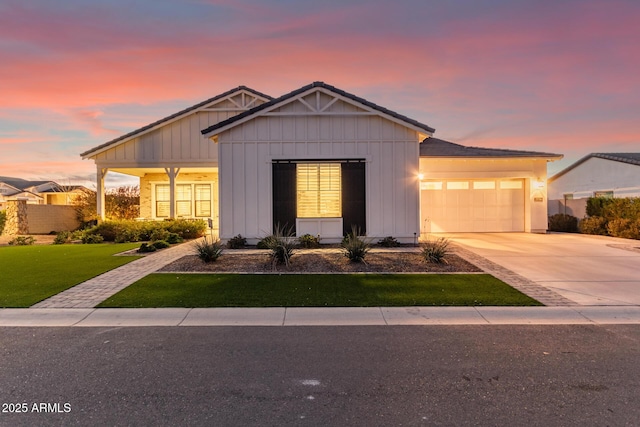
[{"x": 92, "y": 292}]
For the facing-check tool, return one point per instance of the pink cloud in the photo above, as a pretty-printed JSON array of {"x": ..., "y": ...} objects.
[{"x": 549, "y": 76}]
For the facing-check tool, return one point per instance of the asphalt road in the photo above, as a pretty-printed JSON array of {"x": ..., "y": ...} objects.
[{"x": 331, "y": 376}]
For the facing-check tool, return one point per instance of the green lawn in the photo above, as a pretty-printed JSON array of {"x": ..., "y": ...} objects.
[
  {"x": 322, "y": 290},
  {"x": 29, "y": 274}
]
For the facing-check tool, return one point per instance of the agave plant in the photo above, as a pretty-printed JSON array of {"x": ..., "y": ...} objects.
[
  {"x": 355, "y": 247},
  {"x": 282, "y": 244},
  {"x": 436, "y": 250},
  {"x": 209, "y": 250}
]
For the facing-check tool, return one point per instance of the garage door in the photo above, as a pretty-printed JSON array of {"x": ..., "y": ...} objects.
[{"x": 480, "y": 205}]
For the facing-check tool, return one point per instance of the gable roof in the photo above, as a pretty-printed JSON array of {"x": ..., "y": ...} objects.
[
  {"x": 171, "y": 117},
  {"x": 629, "y": 158},
  {"x": 225, "y": 124},
  {"x": 23, "y": 185},
  {"x": 20, "y": 183},
  {"x": 434, "y": 147}
]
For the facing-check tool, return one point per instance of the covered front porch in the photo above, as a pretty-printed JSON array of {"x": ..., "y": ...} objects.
[{"x": 169, "y": 192}]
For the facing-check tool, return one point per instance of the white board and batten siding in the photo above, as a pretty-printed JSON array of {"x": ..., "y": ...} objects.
[
  {"x": 177, "y": 142},
  {"x": 389, "y": 149}
]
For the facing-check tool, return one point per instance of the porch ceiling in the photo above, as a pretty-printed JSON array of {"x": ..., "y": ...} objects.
[{"x": 140, "y": 172}]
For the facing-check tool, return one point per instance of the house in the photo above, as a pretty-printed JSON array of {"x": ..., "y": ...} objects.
[
  {"x": 37, "y": 192},
  {"x": 321, "y": 160},
  {"x": 598, "y": 174},
  {"x": 594, "y": 175}
]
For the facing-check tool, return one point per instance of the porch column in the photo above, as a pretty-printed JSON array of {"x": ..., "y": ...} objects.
[
  {"x": 101, "y": 174},
  {"x": 173, "y": 174}
]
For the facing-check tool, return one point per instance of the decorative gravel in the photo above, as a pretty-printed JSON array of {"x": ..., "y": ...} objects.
[{"x": 322, "y": 262}]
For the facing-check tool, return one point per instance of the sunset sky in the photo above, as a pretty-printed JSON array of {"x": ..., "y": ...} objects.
[{"x": 558, "y": 76}]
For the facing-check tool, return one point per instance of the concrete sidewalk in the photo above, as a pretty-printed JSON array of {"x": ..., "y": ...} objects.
[{"x": 318, "y": 316}]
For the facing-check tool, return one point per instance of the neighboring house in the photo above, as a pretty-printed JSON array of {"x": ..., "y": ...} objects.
[
  {"x": 598, "y": 174},
  {"x": 322, "y": 160},
  {"x": 36, "y": 192}
]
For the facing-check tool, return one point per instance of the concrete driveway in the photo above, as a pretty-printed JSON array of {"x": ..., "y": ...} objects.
[{"x": 590, "y": 270}]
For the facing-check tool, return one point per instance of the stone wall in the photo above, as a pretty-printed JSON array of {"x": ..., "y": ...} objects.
[
  {"x": 23, "y": 218},
  {"x": 17, "y": 221}
]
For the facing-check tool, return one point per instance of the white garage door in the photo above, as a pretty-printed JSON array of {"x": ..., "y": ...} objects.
[{"x": 480, "y": 205}]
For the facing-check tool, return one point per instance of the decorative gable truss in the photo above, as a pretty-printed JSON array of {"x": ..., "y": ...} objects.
[{"x": 335, "y": 110}]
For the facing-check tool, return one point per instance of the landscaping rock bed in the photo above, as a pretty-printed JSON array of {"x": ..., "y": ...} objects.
[{"x": 321, "y": 262}]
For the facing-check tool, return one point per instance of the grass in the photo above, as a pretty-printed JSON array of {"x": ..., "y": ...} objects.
[
  {"x": 322, "y": 290},
  {"x": 29, "y": 274}
]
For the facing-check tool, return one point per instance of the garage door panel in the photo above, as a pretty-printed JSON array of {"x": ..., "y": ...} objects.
[{"x": 474, "y": 205}]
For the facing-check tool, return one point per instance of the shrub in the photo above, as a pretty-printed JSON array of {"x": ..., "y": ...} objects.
[
  {"x": 62, "y": 237},
  {"x": 309, "y": 241},
  {"x": 127, "y": 234},
  {"x": 134, "y": 231},
  {"x": 597, "y": 205},
  {"x": 146, "y": 247},
  {"x": 354, "y": 247},
  {"x": 106, "y": 229},
  {"x": 237, "y": 242},
  {"x": 625, "y": 207},
  {"x": 625, "y": 228},
  {"x": 564, "y": 223},
  {"x": 187, "y": 229},
  {"x": 209, "y": 250},
  {"x": 389, "y": 242},
  {"x": 3, "y": 220},
  {"x": 174, "y": 238},
  {"x": 593, "y": 225},
  {"x": 160, "y": 244},
  {"x": 159, "y": 234},
  {"x": 282, "y": 245},
  {"x": 90, "y": 238},
  {"x": 435, "y": 251},
  {"x": 22, "y": 241}
]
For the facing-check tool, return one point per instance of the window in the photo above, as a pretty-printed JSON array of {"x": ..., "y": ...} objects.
[
  {"x": 431, "y": 185},
  {"x": 203, "y": 199},
  {"x": 458, "y": 185},
  {"x": 318, "y": 190},
  {"x": 484, "y": 185},
  {"x": 608, "y": 194},
  {"x": 183, "y": 200},
  {"x": 162, "y": 201},
  {"x": 511, "y": 185},
  {"x": 191, "y": 200}
]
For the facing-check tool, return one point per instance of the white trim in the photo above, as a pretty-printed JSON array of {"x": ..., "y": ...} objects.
[
  {"x": 154, "y": 184},
  {"x": 317, "y": 112}
]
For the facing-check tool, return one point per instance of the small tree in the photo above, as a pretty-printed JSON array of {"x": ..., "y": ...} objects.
[
  {"x": 123, "y": 202},
  {"x": 120, "y": 203},
  {"x": 85, "y": 204}
]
